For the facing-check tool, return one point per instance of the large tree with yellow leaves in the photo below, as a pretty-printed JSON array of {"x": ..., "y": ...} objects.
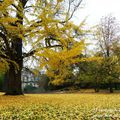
[{"x": 45, "y": 26}]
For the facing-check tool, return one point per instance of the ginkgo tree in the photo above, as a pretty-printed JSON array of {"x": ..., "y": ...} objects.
[
  {"x": 58, "y": 63},
  {"x": 45, "y": 26}
]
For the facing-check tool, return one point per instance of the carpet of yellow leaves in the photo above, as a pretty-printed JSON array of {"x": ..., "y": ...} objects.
[{"x": 60, "y": 107}]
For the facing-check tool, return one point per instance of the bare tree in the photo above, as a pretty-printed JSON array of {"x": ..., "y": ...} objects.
[{"x": 106, "y": 34}]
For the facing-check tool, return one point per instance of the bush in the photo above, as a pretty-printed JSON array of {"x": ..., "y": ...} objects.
[{"x": 29, "y": 88}]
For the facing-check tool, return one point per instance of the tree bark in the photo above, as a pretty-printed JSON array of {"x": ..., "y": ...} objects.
[
  {"x": 13, "y": 80},
  {"x": 13, "y": 86},
  {"x": 14, "y": 48}
]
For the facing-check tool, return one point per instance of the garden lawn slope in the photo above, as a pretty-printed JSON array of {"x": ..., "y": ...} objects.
[{"x": 60, "y": 107}]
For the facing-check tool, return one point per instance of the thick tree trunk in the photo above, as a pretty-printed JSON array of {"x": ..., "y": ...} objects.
[
  {"x": 13, "y": 77},
  {"x": 13, "y": 84}
]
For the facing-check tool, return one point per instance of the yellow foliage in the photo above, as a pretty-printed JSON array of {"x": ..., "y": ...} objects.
[
  {"x": 61, "y": 106},
  {"x": 4, "y": 66},
  {"x": 5, "y": 4},
  {"x": 60, "y": 61},
  {"x": 57, "y": 82},
  {"x": 59, "y": 1},
  {"x": 8, "y": 20},
  {"x": 43, "y": 32}
]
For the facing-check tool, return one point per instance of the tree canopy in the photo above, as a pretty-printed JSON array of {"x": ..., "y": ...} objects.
[{"x": 45, "y": 26}]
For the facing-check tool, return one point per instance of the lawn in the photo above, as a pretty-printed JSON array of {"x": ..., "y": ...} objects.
[{"x": 60, "y": 107}]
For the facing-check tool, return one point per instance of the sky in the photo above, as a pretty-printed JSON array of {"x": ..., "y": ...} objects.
[{"x": 95, "y": 9}]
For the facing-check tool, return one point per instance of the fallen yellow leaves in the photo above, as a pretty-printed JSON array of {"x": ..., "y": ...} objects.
[{"x": 60, "y": 107}]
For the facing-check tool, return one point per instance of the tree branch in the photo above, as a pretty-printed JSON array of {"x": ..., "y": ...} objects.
[
  {"x": 31, "y": 53},
  {"x": 6, "y": 43},
  {"x": 75, "y": 8}
]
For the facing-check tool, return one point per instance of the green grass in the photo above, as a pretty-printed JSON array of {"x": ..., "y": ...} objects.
[{"x": 60, "y": 107}]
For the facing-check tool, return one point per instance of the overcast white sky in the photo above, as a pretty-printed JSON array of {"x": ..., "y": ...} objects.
[{"x": 95, "y": 9}]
